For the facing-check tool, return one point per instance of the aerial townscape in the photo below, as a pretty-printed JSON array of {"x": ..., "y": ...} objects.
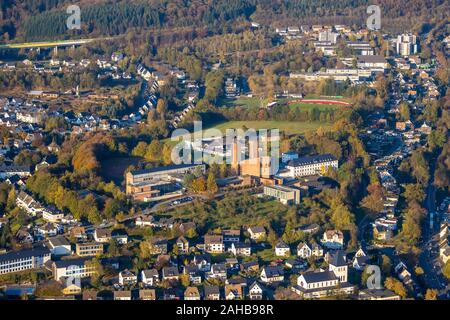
[{"x": 344, "y": 194}]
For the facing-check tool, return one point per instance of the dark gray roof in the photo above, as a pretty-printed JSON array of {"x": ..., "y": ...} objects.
[
  {"x": 337, "y": 258},
  {"x": 272, "y": 271},
  {"x": 311, "y": 277},
  {"x": 71, "y": 262},
  {"x": 311, "y": 160},
  {"x": 58, "y": 241},
  {"x": 211, "y": 290},
  {"x": 25, "y": 253}
]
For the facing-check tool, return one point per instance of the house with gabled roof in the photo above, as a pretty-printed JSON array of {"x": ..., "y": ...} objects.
[
  {"x": 234, "y": 292},
  {"x": 212, "y": 292},
  {"x": 150, "y": 277},
  {"x": 257, "y": 233},
  {"x": 256, "y": 291},
  {"x": 333, "y": 239},
  {"x": 191, "y": 293},
  {"x": 282, "y": 249},
  {"x": 303, "y": 250},
  {"x": 271, "y": 274},
  {"x": 147, "y": 294}
]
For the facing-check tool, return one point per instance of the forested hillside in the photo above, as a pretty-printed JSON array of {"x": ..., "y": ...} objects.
[{"x": 46, "y": 19}]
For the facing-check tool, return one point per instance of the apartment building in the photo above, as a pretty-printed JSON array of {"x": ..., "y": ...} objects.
[
  {"x": 406, "y": 44},
  {"x": 307, "y": 166},
  {"x": 25, "y": 259}
]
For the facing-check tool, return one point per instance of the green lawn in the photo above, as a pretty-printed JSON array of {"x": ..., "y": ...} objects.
[
  {"x": 291, "y": 127},
  {"x": 246, "y": 102}
]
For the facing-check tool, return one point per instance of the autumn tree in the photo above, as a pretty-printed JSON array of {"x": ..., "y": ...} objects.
[
  {"x": 373, "y": 203},
  {"x": 431, "y": 294},
  {"x": 396, "y": 286},
  {"x": 211, "y": 183}
]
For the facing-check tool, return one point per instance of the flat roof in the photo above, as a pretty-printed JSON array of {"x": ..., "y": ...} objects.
[{"x": 165, "y": 168}]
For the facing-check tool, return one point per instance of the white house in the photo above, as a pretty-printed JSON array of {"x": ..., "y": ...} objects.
[
  {"x": 127, "y": 277},
  {"x": 150, "y": 277},
  {"x": 270, "y": 274},
  {"x": 240, "y": 249},
  {"x": 282, "y": 249},
  {"x": 333, "y": 239},
  {"x": 303, "y": 250},
  {"x": 255, "y": 291}
]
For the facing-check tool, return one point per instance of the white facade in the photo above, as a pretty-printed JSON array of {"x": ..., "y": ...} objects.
[
  {"x": 26, "y": 259},
  {"x": 308, "y": 166}
]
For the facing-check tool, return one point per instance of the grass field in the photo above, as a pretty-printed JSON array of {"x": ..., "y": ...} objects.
[
  {"x": 290, "y": 127},
  {"x": 309, "y": 106},
  {"x": 245, "y": 102}
]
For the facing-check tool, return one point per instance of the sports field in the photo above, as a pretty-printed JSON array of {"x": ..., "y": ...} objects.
[{"x": 290, "y": 127}]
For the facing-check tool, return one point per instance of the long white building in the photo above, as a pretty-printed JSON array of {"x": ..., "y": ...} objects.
[
  {"x": 16, "y": 261},
  {"x": 308, "y": 166}
]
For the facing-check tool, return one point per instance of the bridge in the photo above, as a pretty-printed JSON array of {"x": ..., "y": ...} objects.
[{"x": 50, "y": 44}]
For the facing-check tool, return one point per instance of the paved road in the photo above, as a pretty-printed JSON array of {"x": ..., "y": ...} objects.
[
  {"x": 429, "y": 258},
  {"x": 50, "y": 44}
]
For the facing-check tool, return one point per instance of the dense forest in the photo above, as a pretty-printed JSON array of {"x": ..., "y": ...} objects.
[{"x": 44, "y": 19}]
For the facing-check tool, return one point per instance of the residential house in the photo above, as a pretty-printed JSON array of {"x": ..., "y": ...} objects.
[
  {"x": 250, "y": 267},
  {"x": 183, "y": 245},
  {"x": 333, "y": 239},
  {"x": 147, "y": 294},
  {"x": 282, "y": 249},
  {"x": 303, "y": 250},
  {"x": 240, "y": 249},
  {"x": 191, "y": 293},
  {"x": 257, "y": 233},
  {"x": 234, "y": 292},
  {"x": 212, "y": 292},
  {"x": 102, "y": 235},
  {"x": 170, "y": 273},
  {"x": 150, "y": 277},
  {"x": 79, "y": 233},
  {"x": 203, "y": 262},
  {"x": 214, "y": 244},
  {"x": 231, "y": 235},
  {"x": 271, "y": 274},
  {"x": 122, "y": 295},
  {"x": 195, "y": 276},
  {"x": 71, "y": 287},
  {"x": 218, "y": 271},
  {"x": 256, "y": 291},
  {"x": 127, "y": 278}
]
